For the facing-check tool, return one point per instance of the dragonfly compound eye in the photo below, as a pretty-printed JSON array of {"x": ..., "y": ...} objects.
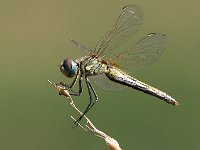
[{"x": 68, "y": 67}]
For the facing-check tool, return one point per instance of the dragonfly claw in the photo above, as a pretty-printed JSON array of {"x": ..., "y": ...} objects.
[
  {"x": 63, "y": 84},
  {"x": 76, "y": 123}
]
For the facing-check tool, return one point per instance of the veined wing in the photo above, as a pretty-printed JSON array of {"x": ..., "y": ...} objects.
[
  {"x": 103, "y": 82},
  {"x": 146, "y": 51},
  {"x": 85, "y": 49},
  {"x": 127, "y": 25}
]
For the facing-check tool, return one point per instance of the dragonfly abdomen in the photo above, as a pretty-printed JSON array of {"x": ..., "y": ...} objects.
[{"x": 119, "y": 76}]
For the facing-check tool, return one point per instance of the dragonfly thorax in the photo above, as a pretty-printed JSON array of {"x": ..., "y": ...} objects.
[
  {"x": 68, "y": 67},
  {"x": 93, "y": 66}
]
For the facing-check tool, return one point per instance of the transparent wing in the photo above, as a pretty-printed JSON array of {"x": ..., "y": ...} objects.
[
  {"x": 127, "y": 25},
  {"x": 146, "y": 51},
  {"x": 85, "y": 49},
  {"x": 103, "y": 82}
]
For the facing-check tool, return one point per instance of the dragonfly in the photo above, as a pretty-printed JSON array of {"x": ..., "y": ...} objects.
[{"x": 105, "y": 59}]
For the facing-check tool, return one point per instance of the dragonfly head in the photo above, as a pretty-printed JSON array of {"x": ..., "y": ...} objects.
[{"x": 68, "y": 67}]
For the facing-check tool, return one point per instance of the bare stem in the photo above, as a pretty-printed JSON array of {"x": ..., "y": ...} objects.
[{"x": 89, "y": 127}]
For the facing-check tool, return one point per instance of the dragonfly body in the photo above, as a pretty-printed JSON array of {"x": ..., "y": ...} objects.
[
  {"x": 94, "y": 66},
  {"x": 106, "y": 59}
]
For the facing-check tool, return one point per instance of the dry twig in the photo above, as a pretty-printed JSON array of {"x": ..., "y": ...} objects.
[{"x": 89, "y": 127}]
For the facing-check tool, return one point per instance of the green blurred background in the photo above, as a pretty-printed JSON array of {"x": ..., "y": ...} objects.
[{"x": 34, "y": 39}]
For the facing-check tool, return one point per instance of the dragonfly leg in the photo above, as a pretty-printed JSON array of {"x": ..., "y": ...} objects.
[
  {"x": 80, "y": 88},
  {"x": 63, "y": 84},
  {"x": 91, "y": 102},
  {"x": 94, "y": 93},
  {"x": 75, "y": 93},
  {"x": 73, "y": 83}
]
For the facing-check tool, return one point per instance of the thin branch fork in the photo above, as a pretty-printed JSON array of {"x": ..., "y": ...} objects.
[{"x": 89, "y": 127}]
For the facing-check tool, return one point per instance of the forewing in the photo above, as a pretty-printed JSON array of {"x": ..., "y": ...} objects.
[
  {"x": 127, "y": 25},
  {"x": 85, "y": 49}
]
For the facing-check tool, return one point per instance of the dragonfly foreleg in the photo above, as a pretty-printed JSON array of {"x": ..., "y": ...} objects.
[
  {"x": 76, "y": 77},
  {"x": 91, "y": 102},
  {"x": 74, "y": 81},
  {"x": 75, "y": 93}
]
